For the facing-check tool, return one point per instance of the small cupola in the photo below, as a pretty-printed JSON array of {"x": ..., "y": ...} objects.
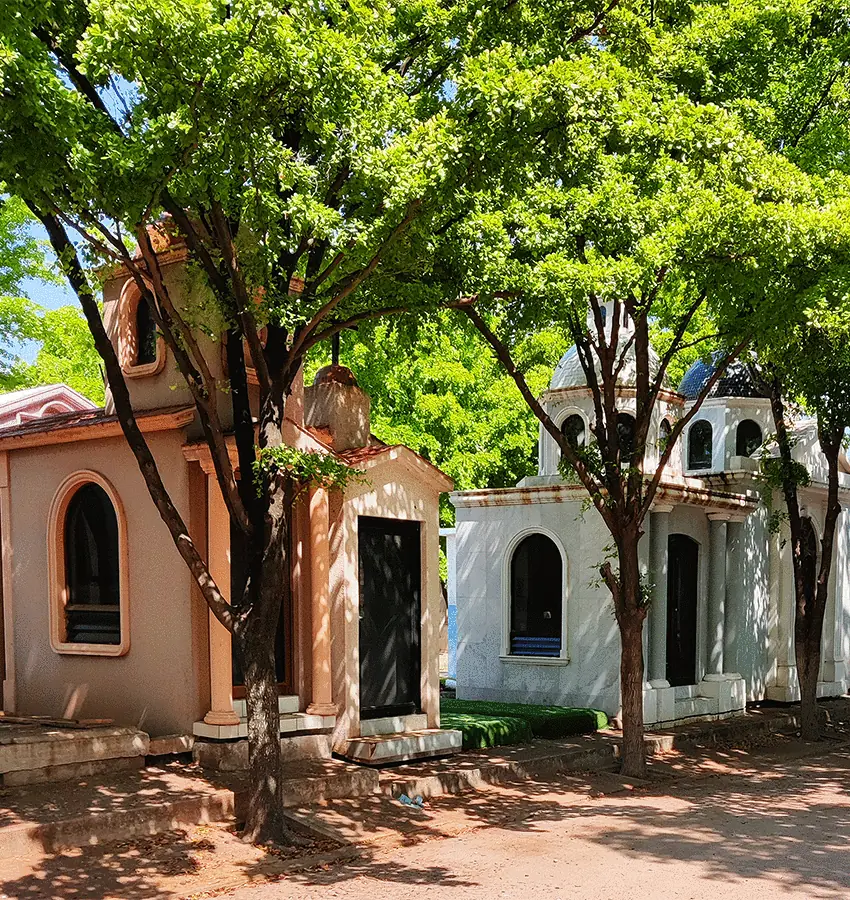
[{"x": 335, "y": 404}]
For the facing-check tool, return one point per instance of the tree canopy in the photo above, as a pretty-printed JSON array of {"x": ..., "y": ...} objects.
[{"x": 433, "y": 389}]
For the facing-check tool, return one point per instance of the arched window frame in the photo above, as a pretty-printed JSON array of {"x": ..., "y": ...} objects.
[
  {"x": 57, "y": 580},
  {"x": 661, "y": 436},
  {"x": 506, "y": 656},
  {"x": 708, "y": 467},
  {"x": 128, "y": 341},
  {"x": 745, "y": 423},
  {"x": 575, "y": 411},
  {"x": 549, "y": 452},
  {"x": 624, "y": 415}
]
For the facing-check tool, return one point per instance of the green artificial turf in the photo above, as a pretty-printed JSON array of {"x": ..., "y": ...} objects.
[
  {"x": 487, "y": 731},
  {"x": 487, "y": 723}
]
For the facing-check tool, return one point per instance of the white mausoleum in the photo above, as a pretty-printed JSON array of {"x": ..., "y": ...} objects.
[{"x": 535, "y": 623}]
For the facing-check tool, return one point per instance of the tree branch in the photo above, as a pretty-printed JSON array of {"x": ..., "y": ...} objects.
[
  {"x": 679, "y": 427},
  {"x": 73, "y": 269},
  {"x": 356, "y": 279},
  {"x": 502, "y": 353}
]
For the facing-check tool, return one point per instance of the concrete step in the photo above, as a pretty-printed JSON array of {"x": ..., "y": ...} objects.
[
  {"x": 39, "y": 753},
  {"x": 384, "y": 749},
  {"x": 393, "y": 724},
  {"x": 694, "y": 706},
  {"x": 286, "y": 703},
  {"x": 328, "y": 779},
  {"x": 232, "y": 756},
  {"x": 290, "y": 723},
  {"x": 686, "y": 691},
  {"x": 37, "y": 820}
]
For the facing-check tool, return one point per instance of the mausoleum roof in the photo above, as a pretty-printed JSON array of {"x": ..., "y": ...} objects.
[
  {"x": 569, "y": 372},
  {"x": 736, "y": 381}
]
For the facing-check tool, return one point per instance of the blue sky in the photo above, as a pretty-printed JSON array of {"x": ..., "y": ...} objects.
[{"x": 49, "y": 295}]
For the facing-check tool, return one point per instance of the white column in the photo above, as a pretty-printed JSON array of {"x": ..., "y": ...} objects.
[
  {"x": 322, "y": 689},
  {"x": 716, "y": 592},
  {"x": 832, "y": 662},
  {"x": 659, "y": 532},
  {"x": 734, "y": 594},
  {"x": 221, "y": 662}
]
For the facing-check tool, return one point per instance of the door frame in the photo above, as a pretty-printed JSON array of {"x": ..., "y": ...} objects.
[
  {"x": 422, "y": 643},
  {"x": 699, "y": 609}
]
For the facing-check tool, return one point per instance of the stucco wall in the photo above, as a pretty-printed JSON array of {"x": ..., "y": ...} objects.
[
  {"x": 168, "y": 387},
  {"x": 158, "y": 685},
  {"x": 392, "y": 490},
  {"x": 484, "y": 537}
]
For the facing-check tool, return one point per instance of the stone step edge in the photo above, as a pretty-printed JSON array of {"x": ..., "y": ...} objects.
[
  {"x": 601, "y": 757},
  {"x": 34, "y": 839},
  {"x": 30, "y": 839}
]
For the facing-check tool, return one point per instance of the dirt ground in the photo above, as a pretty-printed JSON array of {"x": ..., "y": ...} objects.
[{"x": 765, "y": 822}]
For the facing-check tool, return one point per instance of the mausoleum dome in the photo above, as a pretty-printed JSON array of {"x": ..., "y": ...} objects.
[
  {"x": 569, "y": 372},
  {"x": 736, "y": 381}
]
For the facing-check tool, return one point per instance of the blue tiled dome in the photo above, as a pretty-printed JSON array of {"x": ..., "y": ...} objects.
[{"x": 736, "y": 381}]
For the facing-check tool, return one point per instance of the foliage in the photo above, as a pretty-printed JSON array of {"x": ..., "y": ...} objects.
[
  {"x": 775, "y": 473},
  {"x": 304, "y": 467},
  {"x": 21, "y": 255},
  {"x": 434, "y": 389},
  {"x": 22, "y": 258},
  {"x": 66, "y": 352},
  {"x": 480, "y": 731},
  {"x": 544, "y": 721}
]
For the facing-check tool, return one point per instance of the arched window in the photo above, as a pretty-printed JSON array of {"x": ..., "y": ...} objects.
[
  {"x": 537, "y": 588},
  {"x": 146, "y": 336},
  {"x": 141, "y": 349},
  {"x": 626, "y": 435},
  {"x": 665, "y": 429},
  {"x": 88, "y": 568},
  {"x": 748, "y": 438},
  {"x": 573, "y": 430},
  {"x": 700, "y": 449},
  {"x": 92, "y": 610},
  {"x": 808, "y": 557}
]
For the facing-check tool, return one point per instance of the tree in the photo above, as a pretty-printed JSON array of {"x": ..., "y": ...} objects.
[
  {"x": 309, "y": 156},
  {"x": 22, "y": 259},
  {"x": 665, "y": 211},
  {"x": 433, "y": 390},
  {"x": 809, "y": 371},
  {"x": 66, "y": 352},
  {"x": 785, "y": 69}
]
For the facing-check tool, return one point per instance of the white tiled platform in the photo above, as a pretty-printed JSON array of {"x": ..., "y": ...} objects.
[
  {"x": 384, "y": 749},
  {"x": 291, "y": 722}
]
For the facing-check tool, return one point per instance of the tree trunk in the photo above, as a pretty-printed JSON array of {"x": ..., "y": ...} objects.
[
  {"x": 807, "y": 652},
  {"x": 631, "y": 689},
  {"x": 264, "y": 819},
  {"x": 631, "y": 613}
]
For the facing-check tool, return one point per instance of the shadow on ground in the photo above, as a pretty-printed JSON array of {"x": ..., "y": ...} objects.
[
  {"x": 783, "y": 821},
  {"x": 786, "y": 822}
]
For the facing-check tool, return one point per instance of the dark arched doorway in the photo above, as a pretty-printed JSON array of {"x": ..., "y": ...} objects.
[
  {"x": 682, "y": 588},
  {"x": 537, "y": 591}
]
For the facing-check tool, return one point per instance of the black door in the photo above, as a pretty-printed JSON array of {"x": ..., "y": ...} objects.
[
  {"x": 390, "y": 612},
  {"x": 682, "y": 582}
]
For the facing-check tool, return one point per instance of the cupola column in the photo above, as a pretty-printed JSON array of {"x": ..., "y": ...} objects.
[
  {"x": 659, "y": 533},
  {"x": 716, "y": 591},
  {"x": 734, "y": 593}
]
